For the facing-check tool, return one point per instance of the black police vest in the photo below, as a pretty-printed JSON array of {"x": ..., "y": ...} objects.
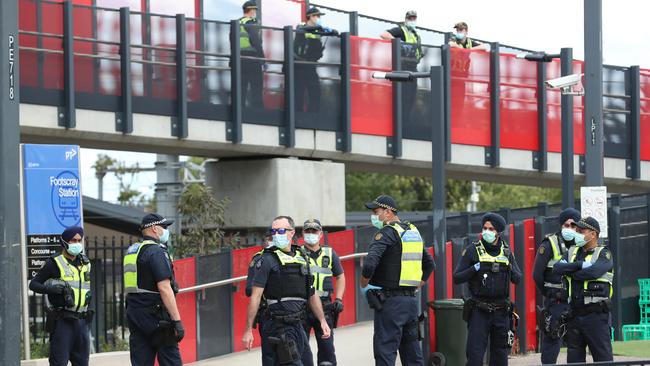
[
  {"x": 388, "y": 270},
  {"x": 492, "y": 281},
  {"x": 146, "y": 279},
  {"x": 290, "y": 281}
]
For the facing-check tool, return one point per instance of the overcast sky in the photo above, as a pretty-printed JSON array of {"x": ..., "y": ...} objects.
[{"x": 533, "y": 24}]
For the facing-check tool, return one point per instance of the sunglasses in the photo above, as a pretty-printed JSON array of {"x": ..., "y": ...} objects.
[{"x": 279, "y": 231}]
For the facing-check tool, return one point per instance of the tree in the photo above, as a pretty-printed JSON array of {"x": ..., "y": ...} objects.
[
  {"x": 127, "y": 196},
  {"x": 204, "y": 218}
]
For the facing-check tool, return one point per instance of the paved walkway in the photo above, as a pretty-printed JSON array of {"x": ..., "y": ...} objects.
[{"x": 353, "y": 347}]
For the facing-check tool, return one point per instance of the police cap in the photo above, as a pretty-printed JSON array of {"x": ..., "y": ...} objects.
[
  {"x": 313, "y": 11},
  {"x": 589, "y": 223},
  {"x": 153, "y": 219},
  {"x": 383, "y": 201},
  {"x": 312, "y": 224},
  {"x": 411, "y": 13},
  {"x": 249, "y": 5}
]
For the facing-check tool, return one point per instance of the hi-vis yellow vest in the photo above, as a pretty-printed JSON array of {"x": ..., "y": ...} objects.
[
  {"x": 321, "y": 272},
  {"x": 244, "y": 37},
  {"x": 79, "y": 281},
  {"x": 413, "y": 39},
  {"x": 485, "y": 257},
  {"x": 607, "y": 278},
  {"x": 412, "y": 248},
  {"x": 558, "y": 248},
  {"x": 131, "y": 268}
]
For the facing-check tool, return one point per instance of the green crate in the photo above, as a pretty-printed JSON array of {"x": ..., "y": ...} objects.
[
  {"x": 644, "y": 290},
  {"x": 636, "y": 332},
  {"x": 644, "y": 313}
]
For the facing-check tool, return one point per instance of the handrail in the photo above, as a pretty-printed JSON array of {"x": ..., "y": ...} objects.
[{"x": 243, "y": 278}]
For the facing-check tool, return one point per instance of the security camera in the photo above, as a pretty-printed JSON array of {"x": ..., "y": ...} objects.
[{"x": 566, "y": 84}]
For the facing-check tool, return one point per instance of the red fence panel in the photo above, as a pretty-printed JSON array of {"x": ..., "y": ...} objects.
[
  {"x": 28, "y": 59},
  {"x": 470, "y": 97},
  {"x": 645, "y": 114},
  {"x": 449, "y": 258},
  {"x": 530, "y": 312},
  {"x": 241, "y": 259},
  {"x": 185, "y": 270},
  {"x": 343, "y": 244},
  {"x": 372, "y": 99},
  {"x": 554, "y": 117},
  {"x": 518, "y": 104}
]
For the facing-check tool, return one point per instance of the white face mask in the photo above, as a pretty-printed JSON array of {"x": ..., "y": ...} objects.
[
  {"x": 311, "y": 239},
  {"x": 411, "y": 24}
]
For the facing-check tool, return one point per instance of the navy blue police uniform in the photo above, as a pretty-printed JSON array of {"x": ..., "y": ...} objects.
[
  {"x": 396, "y": 321},
  {"x": 287, "y": 288},
  {"x": 145, "y": 310},
  {"x": 326, "y": 352},
  {"x": 489, "y": 311},
  {"x": 550, "y": 251},
  {"x": 69, "y": 338},
  {"x": 590, "y": 291},
  {"x": 252, "y": 62},
  {"x": 267, "y": 360}
]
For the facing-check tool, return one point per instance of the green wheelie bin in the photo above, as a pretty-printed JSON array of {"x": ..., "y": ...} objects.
[{"x": 451, "y": 333}]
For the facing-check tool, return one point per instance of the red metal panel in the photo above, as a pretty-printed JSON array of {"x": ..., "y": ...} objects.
[
  {"x": 52, "y": 22},
  {"x": 84, "y": 67},
  {"x": 449, "y": 258},
  {"x": 372, "y": 99},
  {"x": 241, "y": 259},
  {"x": 470, "y": 97},
  {"x": 343, "y": 243},
  {"x": 554, "y": 117},
  {"x": 28, "y": 59},
  {"x": 530, "y": 311},
  {"x": 645, "y": 114},
  {"x": 185, "y": 271},
  {"x": 518, "y": 104}
]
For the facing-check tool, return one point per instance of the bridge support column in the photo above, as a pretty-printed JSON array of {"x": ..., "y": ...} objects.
[{"x": 168, "y": 188}]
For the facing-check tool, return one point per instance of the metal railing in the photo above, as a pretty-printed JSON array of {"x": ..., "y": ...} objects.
[{"x": 232, "y": 280}]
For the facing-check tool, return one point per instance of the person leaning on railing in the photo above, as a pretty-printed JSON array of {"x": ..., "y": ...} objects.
[
  {"x": 250, "y": 43},
  {"x": 308, "y": 46},
  {"x": 459, "y": 38},
  {"x": 411, "y": 53}
]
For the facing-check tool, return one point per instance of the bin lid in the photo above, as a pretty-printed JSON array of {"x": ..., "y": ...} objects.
[{"x": 447, "y": 304}]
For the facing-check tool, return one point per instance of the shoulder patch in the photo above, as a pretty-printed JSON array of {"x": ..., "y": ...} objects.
[
  {"x": 542, "y": 249},
  {"x": 258, "y": 264},
  {"x": 608, "y": 255},
  {"x": 379, "y": 236}
]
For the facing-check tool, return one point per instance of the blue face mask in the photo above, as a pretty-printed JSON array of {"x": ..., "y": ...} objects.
[
  {"x": 164, "y": 238},
  {"x": 319, "y": 22},
  {"x": 311, "y": 239},
  {"x": 568, "y": 234},
  {"x": 411, "y": 24},
  {"x": 489, "y": 236},
  {"x": 580, "y": 240},
  {"x": 374, "y": 219},
  {"x": 75, "y": 249},
  {"x": 460, "y": 36},
  {"x": 281, "y": 241}
]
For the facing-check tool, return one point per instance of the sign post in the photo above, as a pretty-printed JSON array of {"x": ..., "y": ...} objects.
[
  {"x": 51, "y": 202},
  {"x": 593, "y": 203}
]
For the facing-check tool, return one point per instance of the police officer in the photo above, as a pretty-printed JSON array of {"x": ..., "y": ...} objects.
[
  {"x": 459, "y": 38},
  {"x": 65, "y": 278},
  {"x": 588, "y": 271},
  {"x": 151, "y": 311},
  {"x": 308, "y": 46},
  {"x": 411, "y": 56},
  {"x": 396, "y": 266},
  {"x": 489, "y": 267},
  {"x": 325, "y": 264},
  {"x": 283, "y": 277},
  {"x": 250, "y": 43},
  {"x": 550, "y": 251},
  {"x": 267, "y": 360}
]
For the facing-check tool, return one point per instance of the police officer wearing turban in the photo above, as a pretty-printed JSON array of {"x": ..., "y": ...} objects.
[
  {"x": 550, "y": 251},
  {"x": 151, "y": 310},
  {"x": 397, "y": 265},
  {"x": 489, "y": 267},
  {"x": 588, "y": 271},
  {"x": 65, "y": 278}
]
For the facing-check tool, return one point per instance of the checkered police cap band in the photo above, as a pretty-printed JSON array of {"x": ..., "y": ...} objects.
[
  {"x": 155, "y": 223},
  {"x": 383, "y": 205},
  {"x": 587, "y": 226}
]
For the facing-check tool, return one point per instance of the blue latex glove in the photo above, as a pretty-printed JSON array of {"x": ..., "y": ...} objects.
[
  {"x": 586, "y": 265},
  {"x": 265, "y": 67},
  {"x": 477, "y": 266},
  {"x": 369, "y": 287}
]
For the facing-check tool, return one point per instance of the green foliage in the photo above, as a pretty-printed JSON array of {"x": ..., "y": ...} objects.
[
  {"x": 415, "y": 193},
  {"x": 39, "y": 349},
  {"x": 119, "y": 344},
  {"x": 127, "y": 195},
  {"x": 204, "y": 219}
]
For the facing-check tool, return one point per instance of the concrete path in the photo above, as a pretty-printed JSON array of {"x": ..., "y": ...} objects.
[{"x": 354, "y": 347}]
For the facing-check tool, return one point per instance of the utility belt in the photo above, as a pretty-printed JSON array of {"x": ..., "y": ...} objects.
[
  {"x": 285, "y": 349},
  {"x": 399, "y": 292},
  {"x": 54, "y": 315},
  {"x": 506, "y": 339},
  {"x": 489, "y": 306},
  {"x": 165, "y": 334},
  {"x": 556, "y": 291},
  {"x": 599, "y": 307},
  {"x": 282, "y": 320},
  {"x": 377, "y": 297}
]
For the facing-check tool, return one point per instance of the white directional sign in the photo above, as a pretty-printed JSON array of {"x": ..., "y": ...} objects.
[{"x": 593, "y": 203}]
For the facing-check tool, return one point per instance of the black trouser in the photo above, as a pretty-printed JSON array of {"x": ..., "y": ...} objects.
[
  {"x": 252, "y": 77},
  {"x": 307, "y": 82},
  {"x": 70, "y": 342},
  {"x": 589, "y": 330},
  {"x": 551, "y": 344},
  {"x": 326, "y": 352},
  {"x": 483, "y": 325},
  {"x": 396, "y": 329},
  {"x": 142, "y": 325},
  {"x": 294, "y": 332}
]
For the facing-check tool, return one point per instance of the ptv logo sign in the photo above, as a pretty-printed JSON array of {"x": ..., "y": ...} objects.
[{"x": 69, "y": 155}]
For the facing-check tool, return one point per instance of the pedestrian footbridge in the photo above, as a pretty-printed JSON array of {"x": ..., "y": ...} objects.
[{"x": 120, "y": 79}]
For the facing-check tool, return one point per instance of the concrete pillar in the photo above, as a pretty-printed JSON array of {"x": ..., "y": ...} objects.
[
  {"x": 260, "y": 190},
  {"x": 168, "y": 188}
]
